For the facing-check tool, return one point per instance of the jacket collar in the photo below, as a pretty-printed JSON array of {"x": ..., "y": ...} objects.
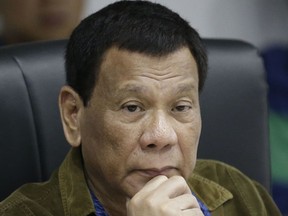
[
  {"x": 209, "y": 192},
  {"x": 75, "y": 194}
]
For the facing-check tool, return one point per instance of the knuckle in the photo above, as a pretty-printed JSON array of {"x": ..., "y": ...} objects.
[
  {"x": 149, "y": 203},
  {"x": 166, "y": 210},
  {"x": 162, "y": 178},
  {"x": 132, "y": 202},
  {"x": 181, "y": 182},
  {"x": 135, "y": 201},
  {"x": 179, "y": 179}
]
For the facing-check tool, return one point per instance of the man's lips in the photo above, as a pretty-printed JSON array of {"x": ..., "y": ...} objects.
[{"x": 152, "y": 172}]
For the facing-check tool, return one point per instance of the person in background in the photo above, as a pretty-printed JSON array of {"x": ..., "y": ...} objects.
[
  {"x": 130, "y": 110},
  {"x": 36, "y": 20}
]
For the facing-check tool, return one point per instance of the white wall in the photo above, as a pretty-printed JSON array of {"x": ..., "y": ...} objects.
[{"x": 260, "y": 22}]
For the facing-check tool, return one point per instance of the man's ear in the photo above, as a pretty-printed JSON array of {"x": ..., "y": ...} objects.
[{"x": 70, "y": 105}]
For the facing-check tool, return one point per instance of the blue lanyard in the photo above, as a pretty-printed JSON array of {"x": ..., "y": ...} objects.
[
  {"x": 203, "y": 208},
  {"x": 100, "y": 211}
]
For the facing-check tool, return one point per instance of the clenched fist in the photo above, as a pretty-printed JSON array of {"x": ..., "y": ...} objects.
[{"x": 164, "y": 196}]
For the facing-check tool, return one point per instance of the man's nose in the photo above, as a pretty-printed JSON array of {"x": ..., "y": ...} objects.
[{"x": 158, "y": 132}]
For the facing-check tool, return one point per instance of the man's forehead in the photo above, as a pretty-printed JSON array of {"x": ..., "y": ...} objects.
[
  {"x": 121, "y": 67},
  {"x": 124, "y": 57}
]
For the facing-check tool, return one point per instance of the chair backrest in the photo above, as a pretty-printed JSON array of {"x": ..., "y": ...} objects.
[{"x": 32, "y": 144}]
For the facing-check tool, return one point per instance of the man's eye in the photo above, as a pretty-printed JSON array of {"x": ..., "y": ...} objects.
[
  {"x": 132, "y": 108},
  {"x": 182, "y": 108}
]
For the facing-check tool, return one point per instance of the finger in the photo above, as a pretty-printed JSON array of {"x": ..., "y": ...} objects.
[
  {"x": 152, "y": 185},
  {"x": 185, "y": 201},
  {"x": 181, "y": 203},
  {"x": 127, "y": 202},
  {"x": 194, "y": 212},
  {"x": 173, "y": 187}
]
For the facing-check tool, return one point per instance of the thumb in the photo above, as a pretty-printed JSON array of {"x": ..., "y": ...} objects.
[
  {"x": 127, "y": 202},
  {"x": 127, "y": 207}
]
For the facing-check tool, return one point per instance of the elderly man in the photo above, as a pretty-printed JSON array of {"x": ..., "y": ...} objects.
[{"x": 130, "y": 111}]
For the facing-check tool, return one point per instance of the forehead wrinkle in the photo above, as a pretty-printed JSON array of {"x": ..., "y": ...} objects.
[
  {"x": 160, "y": 77},
  {"x": 167, "y": 72},
  {"x": 165, "y": 63}
]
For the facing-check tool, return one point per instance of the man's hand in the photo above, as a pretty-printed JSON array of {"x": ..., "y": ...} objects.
[{"x": 163, "y": 196}]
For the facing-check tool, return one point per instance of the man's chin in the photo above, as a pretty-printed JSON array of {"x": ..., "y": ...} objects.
[
  {"x": 133, "y": 186},
  {"x": 138, "y": 179}
]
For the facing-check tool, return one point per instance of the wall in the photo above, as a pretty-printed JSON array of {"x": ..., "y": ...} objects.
[{"x": 260, "y": 22}]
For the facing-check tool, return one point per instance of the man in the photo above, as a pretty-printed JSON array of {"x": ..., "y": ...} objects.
[
  {"x": 130, "y": 111},
  {"x": 34, "y": 20}
]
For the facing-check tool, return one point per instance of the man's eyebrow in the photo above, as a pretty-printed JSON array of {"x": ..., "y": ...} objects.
[
  {"x": 184, "y": 88},
  {"x": 130, "y": 89}
]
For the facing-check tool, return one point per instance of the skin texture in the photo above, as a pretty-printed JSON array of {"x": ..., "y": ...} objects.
[
  {"x": 142, "y": 123},
  {"x": 32, "y": 20}
]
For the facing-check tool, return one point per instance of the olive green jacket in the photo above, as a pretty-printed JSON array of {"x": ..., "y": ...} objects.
[{"x": 223, "y": 189}]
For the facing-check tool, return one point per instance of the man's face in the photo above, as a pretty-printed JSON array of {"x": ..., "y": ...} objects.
[
  {"x": 40, "y": 19},
  {"x": 143, "y": 120}
]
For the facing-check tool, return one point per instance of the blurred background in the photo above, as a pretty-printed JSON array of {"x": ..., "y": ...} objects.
[
  {"x": 260, "y": 22},
  {"x": 263, "y": 23}
]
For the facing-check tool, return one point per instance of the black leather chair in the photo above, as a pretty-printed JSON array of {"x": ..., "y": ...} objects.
[{"x": 32, "y": 144}]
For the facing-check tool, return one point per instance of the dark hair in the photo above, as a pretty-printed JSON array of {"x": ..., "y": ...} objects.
[{"x": 137, "y": 26}]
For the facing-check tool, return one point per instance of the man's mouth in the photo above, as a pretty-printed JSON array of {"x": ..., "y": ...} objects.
[{"x": 152, "y": 172}]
